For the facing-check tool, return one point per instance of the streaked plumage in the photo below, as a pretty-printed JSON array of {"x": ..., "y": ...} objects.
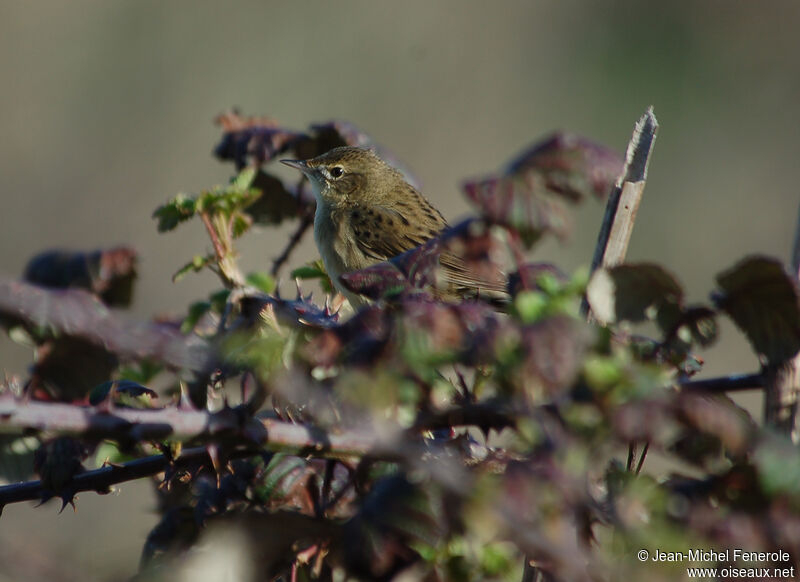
[{"x": 367, "y": 213}]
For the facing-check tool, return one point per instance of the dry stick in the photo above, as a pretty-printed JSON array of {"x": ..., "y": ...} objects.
[
  {"x": 782, "y": 379},
  {"x": 623, "y": 203}
]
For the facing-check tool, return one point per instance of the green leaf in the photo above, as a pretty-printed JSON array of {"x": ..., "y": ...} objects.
[
  {"x": 244, "y": 180},
  {"x": 126, "y": 391},
  {"x": 530, "y": 306},
  {"x": 314, "y": 270},
  {"x": 310, "y": 271},
  {"x": 170, "y": 215},
  {"x": 241, "y": 224},
  {"x": 16, "y": 457},
  {"x": 196, "y": 311},
  {"x": 108, "y": 452},
  {"x": 261, "y": 281},
  {"x": 778, "y": 464},
  {"x": 195, "y": 265}
]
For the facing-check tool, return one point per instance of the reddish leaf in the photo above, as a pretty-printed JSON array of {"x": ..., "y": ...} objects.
[
  {"x": 80, "y": 315},
  {"x": 635, "y": 292},
  {"x": 553, "y": 352},
  {"x": 509, "y": 202},
  {"x": 570, "y": 165},
  {"x": 529, "y": 195},
  {"x": 762, "y": 300},
  {"x": 461, "y": 262},
  {"x": 253, "y": 140},
  {"x": 276, "y": 202},
  {"x": 107, "y": 273}
]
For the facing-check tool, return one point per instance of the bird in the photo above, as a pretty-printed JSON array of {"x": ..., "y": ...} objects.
[{"x": 367, "y": 213}]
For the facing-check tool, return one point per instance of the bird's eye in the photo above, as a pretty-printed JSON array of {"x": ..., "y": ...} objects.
[{"x": 336, "y": 172}]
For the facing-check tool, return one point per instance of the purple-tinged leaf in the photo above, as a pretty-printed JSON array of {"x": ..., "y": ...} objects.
[
  {"x": 409, "y": 272},
  {"x": 528, "y": 196},
  {"x": 508, "y": 202},
  {"x": 253, "y": 140},
  {"x": 466, "y": 330},
  {"x": 358, "y": 341},
  {"x": 569, "y": 165},
  {"x": 77, "y": 313},
  {"x": 461, "y": 262},
  {"x": 634, "y": 292},
  {"x": 762, "y": 299},
  {"x": 719, "y": 417},
  {"x": 276, "y": 202},
  {"x": 553, "y": 351},
  {"x": 108, "y": 274}
]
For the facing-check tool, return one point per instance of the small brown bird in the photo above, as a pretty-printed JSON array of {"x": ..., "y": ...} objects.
[{"x": 368, "y": 213}]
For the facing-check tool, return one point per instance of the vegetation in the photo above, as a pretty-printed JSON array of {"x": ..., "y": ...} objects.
[{"x": 414, "y": 437}]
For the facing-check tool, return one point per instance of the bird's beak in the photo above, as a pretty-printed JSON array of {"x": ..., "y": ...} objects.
[{"x": 301, "y": 165}]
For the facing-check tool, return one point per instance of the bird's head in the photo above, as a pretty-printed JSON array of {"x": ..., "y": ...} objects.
[{"x": 347, "y": 175}]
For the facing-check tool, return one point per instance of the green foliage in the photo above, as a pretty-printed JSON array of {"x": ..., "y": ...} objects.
[{"x": 314, "y": 271}]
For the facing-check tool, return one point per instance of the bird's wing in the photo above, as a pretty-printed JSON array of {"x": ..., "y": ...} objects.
[
  {"x": 488, "y": 281},
  {"x": 382, "y": 233}
]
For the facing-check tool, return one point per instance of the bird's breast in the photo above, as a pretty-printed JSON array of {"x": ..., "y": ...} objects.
[{"x": 335, "y": 240}]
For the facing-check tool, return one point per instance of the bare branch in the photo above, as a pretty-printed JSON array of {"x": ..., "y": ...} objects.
[{"x": 723, "y": 384}]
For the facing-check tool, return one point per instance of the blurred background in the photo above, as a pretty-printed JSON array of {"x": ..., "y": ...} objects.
[{"x": 106, "y": 111}]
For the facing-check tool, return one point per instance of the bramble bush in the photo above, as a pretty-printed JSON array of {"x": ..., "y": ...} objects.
[{"x": 413, "y": 439}]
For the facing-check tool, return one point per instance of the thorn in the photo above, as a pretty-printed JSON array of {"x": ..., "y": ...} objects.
[
  {"x": 185, "y": 402},
  {"x": 299, "y": 291},
  {"x": 213, "y": 453},
  {"x": 68, "y": 500}
]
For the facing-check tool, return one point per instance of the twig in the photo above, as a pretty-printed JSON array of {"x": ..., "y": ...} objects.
[
  {"x": 726, "y": 383},
  {"x": 224, "y": 251},
  {"x": 623, "y": 203},
  {"x": 101, "y": 479},
  {"x": 306, "y": 221},
  {"x": 485, "y": 416}
]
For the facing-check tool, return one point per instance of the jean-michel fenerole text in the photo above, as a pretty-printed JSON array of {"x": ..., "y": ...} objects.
[{"x": 728, "y": 555}]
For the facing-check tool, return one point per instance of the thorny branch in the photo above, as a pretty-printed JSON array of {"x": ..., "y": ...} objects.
[
  {"x": 99, "y": 480},
  {"x": 231, "y": 425}
]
